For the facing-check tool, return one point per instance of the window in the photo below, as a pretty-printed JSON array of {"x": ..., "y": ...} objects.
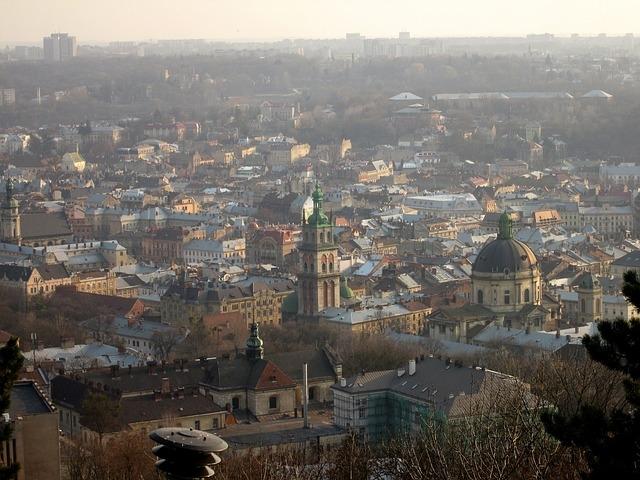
[
  {"x": 582, "y": 305},
  {"x": 527, "y": 296},
  {"x": 235, "y": 403},
  {"x": 273, "y": 402},
  {"x": 214, "y": 423},
  {"x": 480, "y": 296},
  {"x": 362, "y": 411},
  {"x": 507, "y": 297},
  {"x": 196, "y": 424}
]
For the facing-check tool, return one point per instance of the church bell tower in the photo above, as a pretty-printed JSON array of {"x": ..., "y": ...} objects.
[
  {"x": 319, "y": 275},
  {"x": 10, "y": 217}
]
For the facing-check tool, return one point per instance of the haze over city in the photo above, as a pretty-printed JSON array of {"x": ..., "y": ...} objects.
[
  {"x": 95, "y": 21},
  {"x": 319, "y": 240}
]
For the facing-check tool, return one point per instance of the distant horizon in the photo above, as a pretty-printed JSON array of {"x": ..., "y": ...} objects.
[
  {"x": 99, "y": 22},
  {"x": 89, "y": 42}
]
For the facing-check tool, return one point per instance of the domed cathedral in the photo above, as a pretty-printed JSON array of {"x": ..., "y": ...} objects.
[
  {"x": 10, "y": 217},
  {"x": 506, "y": 279}
]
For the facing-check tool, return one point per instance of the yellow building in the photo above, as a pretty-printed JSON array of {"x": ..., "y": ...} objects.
[
  {"x": 256, "y": 302},
  {"x": 101, "y": 282}
]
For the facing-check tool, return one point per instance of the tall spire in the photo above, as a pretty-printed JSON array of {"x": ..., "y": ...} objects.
[
  {"x": 318, "y": 217},
  {"x": 255, "y": 348}
]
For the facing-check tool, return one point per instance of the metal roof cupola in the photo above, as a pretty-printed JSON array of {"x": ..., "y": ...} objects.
[
  {"x": 318, "y": 217},
  {"x": 505, "y": 227},
  {"x": 255, "y": 345}
]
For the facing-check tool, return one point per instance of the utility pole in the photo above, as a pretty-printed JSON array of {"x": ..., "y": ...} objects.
[
  {"x": 34, "y": 345},
  {"x": 305, "y": 395}
]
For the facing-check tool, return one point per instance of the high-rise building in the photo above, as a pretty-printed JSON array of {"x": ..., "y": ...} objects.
[{"x": 59, "y": 47}]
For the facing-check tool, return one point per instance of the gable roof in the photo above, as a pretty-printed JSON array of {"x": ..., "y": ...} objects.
[{"x": 241, "y": 372}]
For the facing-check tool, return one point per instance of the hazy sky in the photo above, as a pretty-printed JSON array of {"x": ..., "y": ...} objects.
[{"x": 105, "y": 20}]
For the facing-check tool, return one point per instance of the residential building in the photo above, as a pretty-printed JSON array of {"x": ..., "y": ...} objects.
[
  {"x": 409, "y": 317},
  {"x": 135, "y": 334},
  {"x": 34, "y": 442},
  {"x": 200, "y": 251},
  {"x": 256, "y": 300},
  {"x": 270, "y": 246},
  {"x": 27, "y": 282},
  {"x": 377, "y": 405},
  {"x": 59, "y": 47},
  {"x": 7, "y": 97}
]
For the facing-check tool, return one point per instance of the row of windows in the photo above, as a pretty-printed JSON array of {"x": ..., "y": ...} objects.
[{"x": 507, "y": 297}]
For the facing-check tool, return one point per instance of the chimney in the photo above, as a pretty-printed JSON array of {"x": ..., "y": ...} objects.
[
  {"x": 558, "y": 333},
  {"x": 166, "y": 386},
  {"x": 157, "y": 395},
  {"x": 400, "y": 372},
  {"x": 412, "y": 367},
  {"x": 343, "y": 382},
  {"x": 527, "y": 330},
  {"x": 305, "y": 393}
]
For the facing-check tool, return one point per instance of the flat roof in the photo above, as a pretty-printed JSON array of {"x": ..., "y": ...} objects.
[{"x": 26, "y": 399}]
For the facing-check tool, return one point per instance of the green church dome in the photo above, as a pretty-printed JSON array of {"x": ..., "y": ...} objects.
[
  {"x": 345, "y": 291},
  {"x": 318, "y": 217}
]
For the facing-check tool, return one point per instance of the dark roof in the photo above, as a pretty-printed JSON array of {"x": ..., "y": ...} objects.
[
  {"x": 15, "y": 273},
  {"x": 318, "y": 365},
  {"x": 505, "y": 255},
  {"x": 26, "y": 399},
  {"x": 145, "y": 408},
  {"x": 52, "y": 271},
  {"x": 241, "y": 372},
  {"x": 447, "y": 387},
  {"x": 44, "y": 225},
  {"x": 111, "y": 303},
  {"x": 631, "y": 259},
  {"x": 146, "y": 379}
]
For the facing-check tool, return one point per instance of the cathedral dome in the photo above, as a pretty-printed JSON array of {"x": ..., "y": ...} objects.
[{"x": 505, "y": 254}]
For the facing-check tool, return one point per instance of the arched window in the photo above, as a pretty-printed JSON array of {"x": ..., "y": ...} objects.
[
  {"x": 331, "y": 262},
  {"x": 527, "y": 296},
  {"x": 324, "y": 264},
  {"x": 480, "y": 296},
  {"x": 306, "y": 267}
]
